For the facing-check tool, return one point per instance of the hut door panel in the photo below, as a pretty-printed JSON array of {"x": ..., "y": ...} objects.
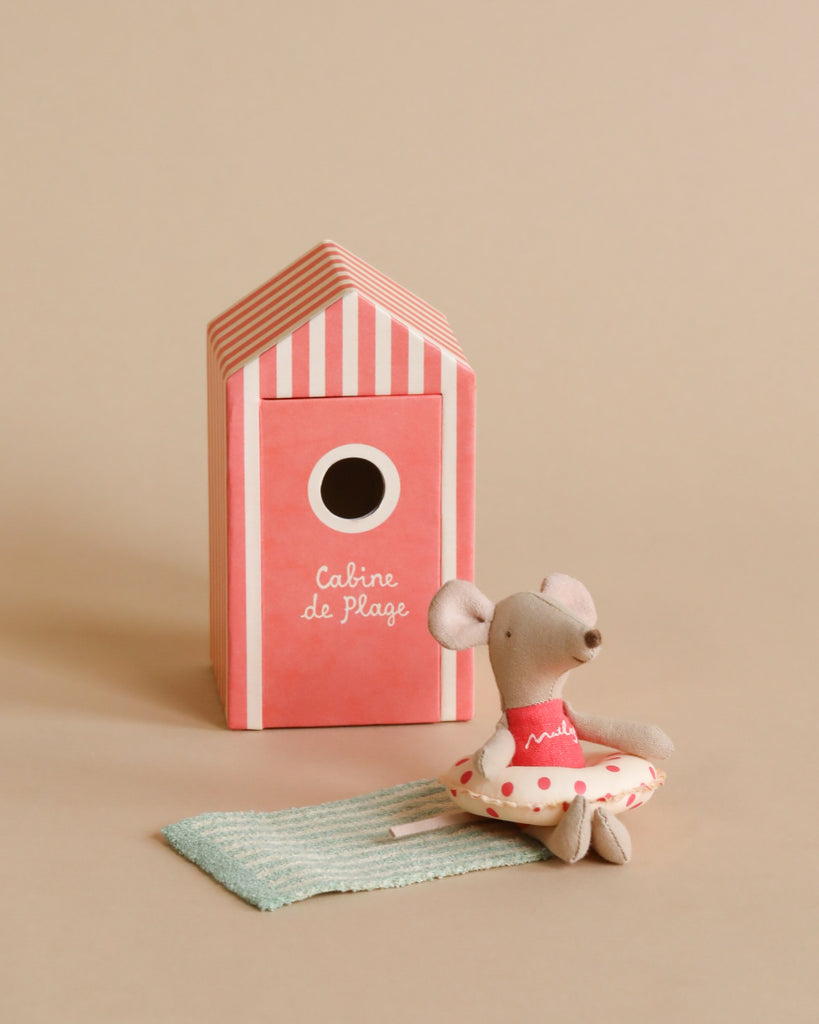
[{"x": 351, "y": 556}]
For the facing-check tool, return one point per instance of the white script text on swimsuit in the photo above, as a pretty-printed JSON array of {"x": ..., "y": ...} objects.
[{"x": 563, "y": 730}]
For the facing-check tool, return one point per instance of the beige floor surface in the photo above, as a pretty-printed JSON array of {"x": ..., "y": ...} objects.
[{"x": 616, "y": 206}]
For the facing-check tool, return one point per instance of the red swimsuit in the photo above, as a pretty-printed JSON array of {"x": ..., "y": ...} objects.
[{"x": 544, "y": 735}]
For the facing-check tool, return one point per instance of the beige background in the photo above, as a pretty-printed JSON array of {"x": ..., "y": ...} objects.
[{"x": 616, "y": 206}]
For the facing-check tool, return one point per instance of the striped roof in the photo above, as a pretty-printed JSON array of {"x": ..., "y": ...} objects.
[{"x": 312, "y": 283}]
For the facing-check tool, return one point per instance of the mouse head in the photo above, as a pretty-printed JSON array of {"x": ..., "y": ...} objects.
[{"x": 534, "y": 638}]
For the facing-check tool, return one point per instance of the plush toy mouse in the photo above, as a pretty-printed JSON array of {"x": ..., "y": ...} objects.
[{"x": 533, "y": 769}]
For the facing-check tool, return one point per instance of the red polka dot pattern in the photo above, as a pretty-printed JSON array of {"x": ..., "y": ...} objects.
[
  {"x": 462, "y": 761},
  {"x": 541, "y": 795}
]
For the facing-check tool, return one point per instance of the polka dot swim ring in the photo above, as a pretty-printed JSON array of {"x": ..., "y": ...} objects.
[{"x": 539, "y": 795}]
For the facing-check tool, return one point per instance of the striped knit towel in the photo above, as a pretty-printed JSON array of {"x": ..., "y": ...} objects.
[{"x": 274, "y": 858}]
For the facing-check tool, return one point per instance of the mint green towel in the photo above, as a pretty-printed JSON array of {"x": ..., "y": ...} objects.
[{"x": 278, "y": 857}]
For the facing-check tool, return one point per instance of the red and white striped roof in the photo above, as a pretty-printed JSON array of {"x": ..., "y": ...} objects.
[{"x": 310, "y": 284}]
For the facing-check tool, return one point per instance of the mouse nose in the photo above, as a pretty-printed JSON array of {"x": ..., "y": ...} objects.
[{"x": 593, "y": 638}]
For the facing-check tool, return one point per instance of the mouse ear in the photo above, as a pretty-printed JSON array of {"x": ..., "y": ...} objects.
[
  {"x": 460, "y": 616},
  {"x": 571, "y": 593}
]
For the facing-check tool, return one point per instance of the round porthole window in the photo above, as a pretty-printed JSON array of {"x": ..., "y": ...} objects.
[{"x": 354, "y": 488}]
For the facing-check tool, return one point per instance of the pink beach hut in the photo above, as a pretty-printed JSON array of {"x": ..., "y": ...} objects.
[{"x": 341, "y": 417}]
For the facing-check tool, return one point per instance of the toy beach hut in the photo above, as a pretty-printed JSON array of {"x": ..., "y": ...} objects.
[{"x": 341, "y": 416}]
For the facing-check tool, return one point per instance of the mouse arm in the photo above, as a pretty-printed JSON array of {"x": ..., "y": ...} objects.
[
  {"x": 630, "y": 737},
  {"x": 497, "y": 752}
]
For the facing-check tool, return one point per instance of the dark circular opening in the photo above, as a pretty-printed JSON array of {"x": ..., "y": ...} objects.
[{"x": 352, "y": 488}]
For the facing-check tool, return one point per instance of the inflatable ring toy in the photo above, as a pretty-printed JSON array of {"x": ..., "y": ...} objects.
[{"x": 541, "y": 795}]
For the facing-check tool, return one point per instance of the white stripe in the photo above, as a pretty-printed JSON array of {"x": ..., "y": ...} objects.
[
  {"x": 414, "y": 828},
  {"x": 359, "y": 812},
  {"x": 449, "y": 685},
  {"x": 349, "y": 344},
  {"x": 316, "y": 346},
  {"x": 415, "y": 375},
  {"x": 253, "y": 545},
  {"x": 449, "y": 510},
  {"x": 383, "y": 347},
  {"x": 284, "y": 368},
  {"x": 449, "y": 466},
  {"x": 225, "y": 830}
]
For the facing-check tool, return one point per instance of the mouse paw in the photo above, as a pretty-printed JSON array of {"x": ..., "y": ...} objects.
[
  {"x": 571, "y": 837},
  {"x": 610, "y": 838}
]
